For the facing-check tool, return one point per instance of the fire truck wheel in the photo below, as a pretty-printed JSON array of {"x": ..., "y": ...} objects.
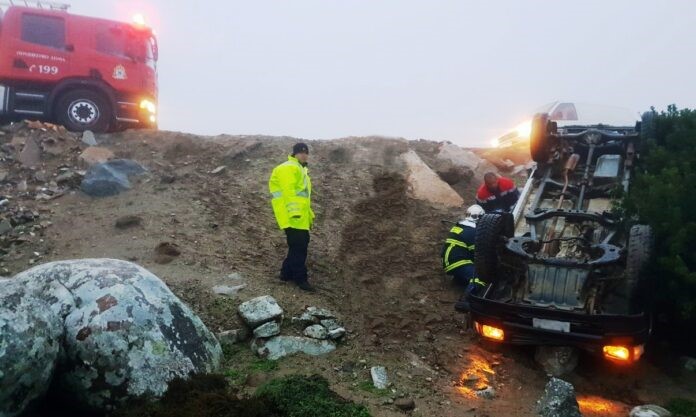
[{"x": 82, "y": 110}]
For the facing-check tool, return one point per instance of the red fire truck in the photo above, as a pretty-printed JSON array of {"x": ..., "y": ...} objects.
[{"x": 82, "y": 72}]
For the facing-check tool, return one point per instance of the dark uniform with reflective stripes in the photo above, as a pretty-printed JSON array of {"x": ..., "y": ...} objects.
[{"x": 458, "y": 257}]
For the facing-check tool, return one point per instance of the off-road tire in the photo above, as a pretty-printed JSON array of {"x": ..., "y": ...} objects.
[
  {"x": 491, "y": 229},
  {"x": 540, "y": 139},
  {"x": 639, "y": 251},
  {"x": 82, "y": 110}
]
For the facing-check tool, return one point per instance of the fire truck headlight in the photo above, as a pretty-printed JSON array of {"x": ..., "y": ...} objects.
[{"x": 149, "y": 106}]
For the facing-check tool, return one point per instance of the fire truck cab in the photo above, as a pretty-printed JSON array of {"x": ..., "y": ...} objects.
[{"x": 84, "y": 73}]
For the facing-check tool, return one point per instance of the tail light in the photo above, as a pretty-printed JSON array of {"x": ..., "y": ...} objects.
[
  {"x": 489, "y": 332},
  {"x": 622, "y": 354}
]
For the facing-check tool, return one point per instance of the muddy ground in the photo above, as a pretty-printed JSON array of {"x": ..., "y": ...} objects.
[{"x": 374, "y": 257}]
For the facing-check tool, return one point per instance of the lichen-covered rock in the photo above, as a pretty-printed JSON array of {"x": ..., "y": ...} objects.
[
  {"x": 316, "y": 331},
  {"x": 280, "y": 346},
  {"x": 649, "y": 410},
  {"x": 29, "y": 347},
  {"x": 269, "y": 329},
  {"x": 558, "y": 400},
  {"x": 380, "y": 379},
  {"x": 126, "y": 334},
  {"x": 260, "y": 310}
]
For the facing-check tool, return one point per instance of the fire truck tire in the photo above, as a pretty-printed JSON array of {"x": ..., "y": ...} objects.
[
  {"x": 82, "y": 110},
  {"x": 638, "y": 254},
  {"x": 490, "y": 230}
]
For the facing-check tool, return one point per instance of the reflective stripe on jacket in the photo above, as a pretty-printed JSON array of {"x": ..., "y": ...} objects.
[
  {"x": 291, "y": 193},
  {"x": 459, "y": 247}
]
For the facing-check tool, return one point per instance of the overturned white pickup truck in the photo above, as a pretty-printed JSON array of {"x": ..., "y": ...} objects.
[{"x": 565, "y": 268}]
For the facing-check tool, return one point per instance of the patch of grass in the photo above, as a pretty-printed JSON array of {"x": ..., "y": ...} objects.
[
  {"x": 235, "y": 377},
  {"x": 301, "y": 396},
  {"x": 368, "y": 386},
  {"x": 682, "y": 407},
  {"x": 263, "y": 365}
]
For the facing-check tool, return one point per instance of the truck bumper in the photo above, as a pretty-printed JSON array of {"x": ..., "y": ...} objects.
[
  {"x": 528, "y": 325},
  {"x": 137, "y": 113}
]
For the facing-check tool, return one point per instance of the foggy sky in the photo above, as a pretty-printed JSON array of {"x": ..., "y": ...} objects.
[{"x": 456, "y": 70}]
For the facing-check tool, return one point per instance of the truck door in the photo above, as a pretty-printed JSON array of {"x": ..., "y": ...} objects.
[
  {"x": 116, "y": 58},
  {"x": 41, "y": 49}
]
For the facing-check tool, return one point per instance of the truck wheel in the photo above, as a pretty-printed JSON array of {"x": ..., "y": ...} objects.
[
  {"x": 490, "y": 230},
  {"x": 82, "y": 110},
  {"x": 540, "y": 138},
  {"x": 639, "y": 251}
]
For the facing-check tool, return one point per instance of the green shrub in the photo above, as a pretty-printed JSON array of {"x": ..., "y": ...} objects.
[
  {"x": 663, "y": 194},
  {"x": 681, "y": 407},
  {"x": 301, "y": 396}
]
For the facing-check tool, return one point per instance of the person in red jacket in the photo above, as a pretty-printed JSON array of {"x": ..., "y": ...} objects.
[{"x": 497, "y": 193}]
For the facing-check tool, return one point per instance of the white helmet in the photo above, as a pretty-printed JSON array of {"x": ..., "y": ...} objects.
[{"x": 473, "y": 213}]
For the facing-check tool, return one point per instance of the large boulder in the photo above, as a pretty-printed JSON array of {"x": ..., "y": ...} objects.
[
  {"x": 558, "y": 400},
  {"x": 29, "y": 347},
  {"x": 425, "y": 184},
  {"x": 110, "y": 178},
  {"x": 126, "y": 334}
]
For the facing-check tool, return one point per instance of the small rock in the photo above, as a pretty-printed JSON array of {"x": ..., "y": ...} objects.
[
  {"x": 257, "y": 379},
  {"x": 231, "y": 337},
  {"x": 557, "y": 360},
  {"x": 227, "y": 290},
  {"x": 337, "y": 333},
  {"x": 558, "y": 400},
  {"x": 88, "y": 138},
  {"x": 405, "y": 404},
  {"x": 260, "y": 310},
  {"x": 22, "y": 186},
  {"x": 690, "y": 364},
  {"x": 70, "y": 178},
  {"x": 649, "y": 410},
  {"x": 3, "y": 175},
  {"x": 167, "y": 179},
  {"x": 96, "y": 155},
  {"x": 110, "y": 178},
  {"x": 330, "y": 324},
  {"x": 127, "y": 222},
  {"x": 5, "y": 227},
  {"x": 380, "y": 380},
  {"x": 320, "y": 313},
  {"x": 316, "y": 331},
  {"x": 281, "y": 346},
  {"x": 269, "y": 329},
  {"x": 303, "y": 321},
  {"x": 487, "y": 393},
  {"x": 218, "y": 170},
  {"x": 31, "y": 154}
]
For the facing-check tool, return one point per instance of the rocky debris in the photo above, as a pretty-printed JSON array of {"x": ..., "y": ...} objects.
[
  {"x": 337, "y": 333},
  {"x": 88, "y": 138},
  {"x": 218, "y": 170},
  {"x": 260, "y": 310},
  {"x": 320, "y": 313},
  {"x": 269, "y": 329},
  {"x": 166, "y": 252},
  {"x": 29, "y": 346},
  {"x": 231, "y": 337},
  {"x": 425, "y": 184},
  {"x": 30, "y": 156},
  {"x": 124, "y": 333},
  {"x": 487, "y": 393},
  {"x": 466, "y": 158},
  {"x": 558, "y": 400},
  {"x": 96, "y": 155},
  {"x": 316, "y": 331},
  {"x": 239, "y": 151},
  {"x": 649, "y": 410},
  {"x": 689, "y": 364},
  {"x": 127, "y": 222},
  {"x": 228, "y": 290},
  {"x": 110, "y": 178},
  {"x": 380, "y": 380},
  {"x": 281, "y": 346},
  {"x": 557, "y": 360},
  {"x": 405, "y": 404},
  {"x": 330, "y": 324}
]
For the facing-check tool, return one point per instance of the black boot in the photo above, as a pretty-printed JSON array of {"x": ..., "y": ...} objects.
[{"x": 305, "y": 286}]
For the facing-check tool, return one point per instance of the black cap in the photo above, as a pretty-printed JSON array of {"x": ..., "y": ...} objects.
[{"x": 300, "y": 148}]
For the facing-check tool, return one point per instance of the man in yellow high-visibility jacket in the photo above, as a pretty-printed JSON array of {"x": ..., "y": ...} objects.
[{"x": 291, "y": 192}]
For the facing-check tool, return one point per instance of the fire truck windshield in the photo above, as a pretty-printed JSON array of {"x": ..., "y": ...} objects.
[{"x": 126, "y": 43}]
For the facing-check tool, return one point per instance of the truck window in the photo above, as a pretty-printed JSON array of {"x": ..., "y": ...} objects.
[
  {"x": 44, "y": 30},
  {"x": 111, "y": 42}
]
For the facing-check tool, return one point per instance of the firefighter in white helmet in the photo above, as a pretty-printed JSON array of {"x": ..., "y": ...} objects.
[{"x": 458, "y": 255}]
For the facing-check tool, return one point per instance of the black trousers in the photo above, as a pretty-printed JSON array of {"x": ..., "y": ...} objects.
[{"x": 294, "y": 265}]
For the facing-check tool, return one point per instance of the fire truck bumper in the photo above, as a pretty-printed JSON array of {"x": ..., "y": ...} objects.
[{"x": 137, "y": 113}]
